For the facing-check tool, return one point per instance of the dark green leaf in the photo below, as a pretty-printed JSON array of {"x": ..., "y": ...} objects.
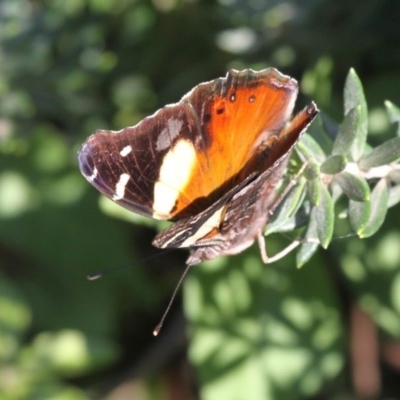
[
  {"x": 359, "y": 213},
  {"x": 324, "y": 214},
  {"x": 356, "y": 188},
  {"x": 384, "y": 154},
  {"x": 307, "y": 249},
  {"x": 334, "y": 165},
  {"x": 353, "y": 97},
  {"x": 347, "y": 132},
  {"x": 379, "y": 203}
]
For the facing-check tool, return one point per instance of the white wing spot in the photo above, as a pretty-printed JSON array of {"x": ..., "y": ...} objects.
[
  {"x": 168, "y": 134},
  {"x": 92, "y": 177},
  {"x": 125, "y": 151},
  {"x": 176, "y": 170},
  {"x": 120, "y": 187}
]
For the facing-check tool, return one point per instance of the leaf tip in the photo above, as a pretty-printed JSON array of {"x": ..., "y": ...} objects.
[{"x": 388, "y": 104}]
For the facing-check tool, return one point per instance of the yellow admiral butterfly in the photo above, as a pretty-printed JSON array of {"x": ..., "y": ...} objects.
[{"x": 210, "y": 163}]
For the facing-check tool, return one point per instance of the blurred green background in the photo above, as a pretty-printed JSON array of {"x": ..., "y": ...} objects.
[{"x": 67, "y": 68}]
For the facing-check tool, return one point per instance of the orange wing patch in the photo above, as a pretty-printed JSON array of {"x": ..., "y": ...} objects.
[{"x": 250, "y": 113}]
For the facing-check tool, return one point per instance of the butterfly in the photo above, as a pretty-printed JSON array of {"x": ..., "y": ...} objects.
[{"x": 210, "y": 163}]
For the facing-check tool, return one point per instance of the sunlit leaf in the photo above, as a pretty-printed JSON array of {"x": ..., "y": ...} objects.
[
  {"x": 359, "y": 214},
  {"x": 307, "y": 249},
  {"x": 379, "y": 203},
  {"x": 353, "y": 97},
  {"x": 70, "y": 352},
  {"x": 324, "y": 215},
  {"x": 393, "y": 111},
  {"x": 347, "y": 133},
  {"x": 386, "y": 153},
  {"x": 394, "y": 196},
  {"x": 238, "y": 333}
]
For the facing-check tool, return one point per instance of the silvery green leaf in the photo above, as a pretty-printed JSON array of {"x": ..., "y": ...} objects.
[
  {"x": 359, "y": 214},
  {"x": 289, "y": 206},
  {"x": 379, "y": 203},
  {"x": 334, "y": 165},
  {"x": 394, "y": 196},
  {"x": 384, "y": 154},
  {"x": 325, "y": 216},
  {"x": 353, "y": 97},
  {"x": 307, "y": 249},
  {"x": 356, "y": 188},
  {"x": 314, "y": 192},
  {"x": 348, "y": 131},
  {"x": 296, "y": 221}
]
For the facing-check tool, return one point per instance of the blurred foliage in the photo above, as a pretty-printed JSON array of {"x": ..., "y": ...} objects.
[{"x": 68, "y": 68}]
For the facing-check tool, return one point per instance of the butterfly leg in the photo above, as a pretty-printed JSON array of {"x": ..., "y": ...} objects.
[
  {"x": 276, "y": 257},
  {"x": 281, "y": 254},
  {"x": 260, "y": 236}
]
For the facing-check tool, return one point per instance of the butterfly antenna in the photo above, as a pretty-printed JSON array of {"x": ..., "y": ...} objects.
[
  {"x": 157, "y": 329},
  {"x": 100, "y": 274}
]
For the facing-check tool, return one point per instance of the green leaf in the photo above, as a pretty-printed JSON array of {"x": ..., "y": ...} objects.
[
  {"x": 15, "y": 318},
  {"x": 393, "y": 112},
  {"x": 233, "y": 332},
  {"x": 384, "y": 154},
  {"x": 314, "y": 191},
  {"x": 329, "y": 125},
  {"x": 312, "y": 171},
  {"x": 356, "y": 188},
  {"x": 307, "y": 249},
  {"x": 325, "y": 216},
  {"x": 296, "y": 221},
  {"x": 309, "y": 148},
  {"x": 379, "y": 203},
  {"x": 353, "y": 97},
  {"x": 289, "y": 206},
  {"x": 359, "y": 214},
  {"x": 394, "y": 176},
  {"x": 394, "y": 196},
  {"x": 334, "y": 165},
  {"x": 347, "y": 132}
]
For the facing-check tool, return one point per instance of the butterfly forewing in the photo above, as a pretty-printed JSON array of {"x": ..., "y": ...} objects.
[{"x": 179, "y": 161}]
